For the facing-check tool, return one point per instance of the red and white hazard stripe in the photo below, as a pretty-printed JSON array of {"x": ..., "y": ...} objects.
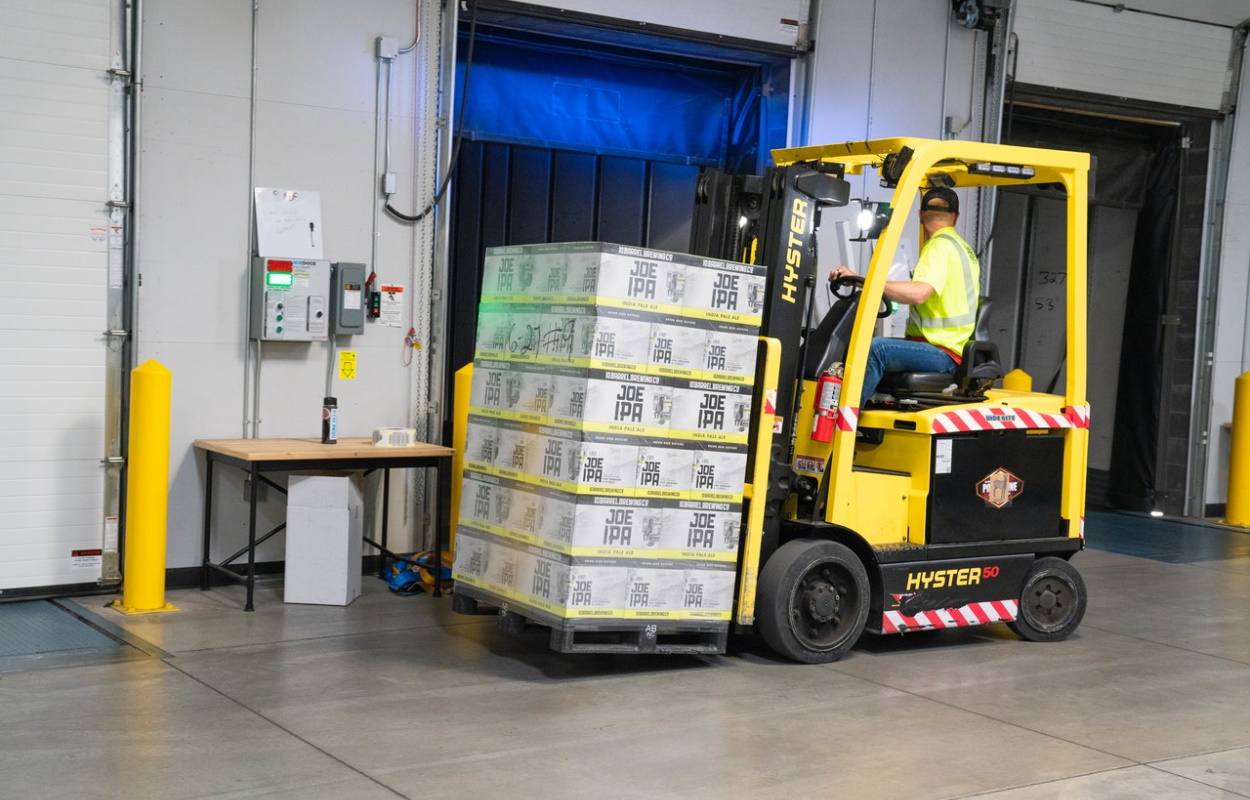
[
  {"x": 971, "y": 614},
  {"x": 847, "y": 419},
  {"x": 1079, "y": 416},
  {"x": 991, "y": 418}
]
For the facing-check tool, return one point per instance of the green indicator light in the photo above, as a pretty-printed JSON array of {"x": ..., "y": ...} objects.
[{"x": 279, "y": 279}]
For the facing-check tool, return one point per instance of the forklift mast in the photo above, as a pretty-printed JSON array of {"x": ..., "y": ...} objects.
[{"x": 772, "y": 220}]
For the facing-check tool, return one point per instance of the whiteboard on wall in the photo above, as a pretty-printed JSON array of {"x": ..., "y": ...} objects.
[
  {"x": 288, "y": 223},
  {"x": 771, "y": 21},
  {"x": 1093, "y": 48}
]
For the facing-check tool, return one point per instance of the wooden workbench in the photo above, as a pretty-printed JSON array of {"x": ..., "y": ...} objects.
[{"x": 258, "y": 456}]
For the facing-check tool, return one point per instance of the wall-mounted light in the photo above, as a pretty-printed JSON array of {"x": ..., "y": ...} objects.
[{"x": 870, "y": 219}]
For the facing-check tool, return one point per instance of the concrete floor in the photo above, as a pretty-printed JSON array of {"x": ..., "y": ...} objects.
[{"x": 398, "y": 697}]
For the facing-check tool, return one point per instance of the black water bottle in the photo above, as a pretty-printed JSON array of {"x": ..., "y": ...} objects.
[{"x": 330, "y": 421}]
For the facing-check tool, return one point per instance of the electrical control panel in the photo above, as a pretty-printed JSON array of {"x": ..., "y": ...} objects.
[
  {"x": 290, "y": 299},
  {"x": 347, "y": 298}
]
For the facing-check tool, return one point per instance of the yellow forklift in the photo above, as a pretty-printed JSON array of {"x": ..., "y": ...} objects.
[{"x": 945, "y": 502}]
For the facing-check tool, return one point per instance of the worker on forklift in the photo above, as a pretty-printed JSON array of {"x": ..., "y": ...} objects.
[{"x": 942, "y": 294}]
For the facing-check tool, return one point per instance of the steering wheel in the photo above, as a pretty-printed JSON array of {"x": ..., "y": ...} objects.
[{"x": 848, "y": 286}]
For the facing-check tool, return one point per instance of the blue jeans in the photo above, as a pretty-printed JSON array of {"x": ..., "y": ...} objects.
[{"x": 902, "y": 355}]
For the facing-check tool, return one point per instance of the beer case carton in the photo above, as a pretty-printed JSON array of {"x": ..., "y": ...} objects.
[
  {"x": 729, "y": 353},
  {"x": 481, "y": 499},
  {"x": 481, "y": 444},
  {"x": 588, "y": 272},
  {"x": 520, "y": 450},
  {"x": 702, "y": 530},
  {"x": 588, "y": 590},
  {"x": 568, "y": 396},
  {"x": 525, "y": 517},
  {"x": 611, "y": 526},
  {"x": 678, "y": 347},
  {"x": 472, "y": 555},
  {"x": 578, "y": 589},
  {"x": 597, "y": 273},
  {"x": 654, "y": 591},
  {"x": 606, "y": 465},
  {"x": 725, "y": 291},
  {"x": 595, "y": 337},
  {"x": 711, "y": 411},
  {"x": 509, "y": 332},
  {"x": 609, "y": 401},
  {"x": 504, "y": 567},
  {"x": 557, "y": 465},
  {"x": 719, "y": 472},
  {"x": 665, "y": 468},
  {"x": 492, "y": 392},
  {"x": 651, "y": 280},
  {"x": 708, "y": 592},
  {"x": 534, "y": 395},
  {"x": 508, "y": 274}
]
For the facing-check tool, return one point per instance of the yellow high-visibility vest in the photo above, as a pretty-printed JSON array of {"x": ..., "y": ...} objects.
[{"x": 949, "y": 317}]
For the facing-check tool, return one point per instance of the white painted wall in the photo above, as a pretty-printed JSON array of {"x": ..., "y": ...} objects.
[
  {"x": 1231, "y": 351},
  {"x": 315, "y": 88}
]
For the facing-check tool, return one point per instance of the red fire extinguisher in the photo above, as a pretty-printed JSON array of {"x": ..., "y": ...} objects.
[{"x": 828, "y": 392}]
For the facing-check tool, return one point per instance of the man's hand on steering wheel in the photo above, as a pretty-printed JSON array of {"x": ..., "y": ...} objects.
[{"x": 841, "y": 277}]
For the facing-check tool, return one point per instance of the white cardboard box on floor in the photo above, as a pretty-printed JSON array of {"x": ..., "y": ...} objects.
[{"x": 324, "y": 525}]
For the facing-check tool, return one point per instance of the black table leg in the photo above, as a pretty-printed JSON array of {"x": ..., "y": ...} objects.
[
  {"x": 251, "y": 538},
  {"x": 208, "y": 510},
  {"x": 386, "y": 508},
  {"x": 442, "y": 521}
]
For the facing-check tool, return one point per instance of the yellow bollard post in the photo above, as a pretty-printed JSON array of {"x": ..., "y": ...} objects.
[
  {"x": 1018, "y": 381},
  {"x": 459, "y": 431},
  {"x": 147, "y": 491},
  {"x": 1238, "y": 512}
]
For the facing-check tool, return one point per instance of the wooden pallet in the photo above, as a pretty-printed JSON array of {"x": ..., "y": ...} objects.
[{"x": 598, "y": 636}]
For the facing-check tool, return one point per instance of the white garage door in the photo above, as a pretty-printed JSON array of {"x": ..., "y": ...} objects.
[
  {"x": 55, "y": 240},
  {"x": 777, "y": 22},
  {"x": 1093, "y": 48}
]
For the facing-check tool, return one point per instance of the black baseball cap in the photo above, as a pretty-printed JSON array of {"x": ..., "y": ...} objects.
[{"x": 940, "y": 193}]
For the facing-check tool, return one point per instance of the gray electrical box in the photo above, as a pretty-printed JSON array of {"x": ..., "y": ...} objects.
[
  {"x": 347, "y": 298},
  {"x": 290, "y": 299}
]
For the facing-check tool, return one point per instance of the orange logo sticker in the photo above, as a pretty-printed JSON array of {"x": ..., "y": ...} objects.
[{"x": 999, "y": 488}]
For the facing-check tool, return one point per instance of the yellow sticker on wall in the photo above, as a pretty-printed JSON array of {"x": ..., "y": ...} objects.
[{"x": 347, "y": 364}]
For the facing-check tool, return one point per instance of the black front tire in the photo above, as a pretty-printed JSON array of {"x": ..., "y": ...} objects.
[
  {"x": 1052, "y": 602},
  {"x": 812, "y": 600}
]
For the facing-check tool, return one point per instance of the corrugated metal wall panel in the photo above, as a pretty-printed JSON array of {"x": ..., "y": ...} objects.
[
  {"x": 54, "y": 112},
  {"x": 1093, "y": 48}
]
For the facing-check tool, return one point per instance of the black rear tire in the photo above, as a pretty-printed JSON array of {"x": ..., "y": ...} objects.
[
  {"x": 812, "y": 600},
  {"x": 1052, "y": 602}
]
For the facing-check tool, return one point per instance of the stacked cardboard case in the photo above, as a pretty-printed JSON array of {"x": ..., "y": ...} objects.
[{"x": 607, "y": 437}]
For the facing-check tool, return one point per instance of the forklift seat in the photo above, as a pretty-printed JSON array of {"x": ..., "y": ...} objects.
[
  {"x": 974, "y": 375},
  {"x": 977, "y": 373}
]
